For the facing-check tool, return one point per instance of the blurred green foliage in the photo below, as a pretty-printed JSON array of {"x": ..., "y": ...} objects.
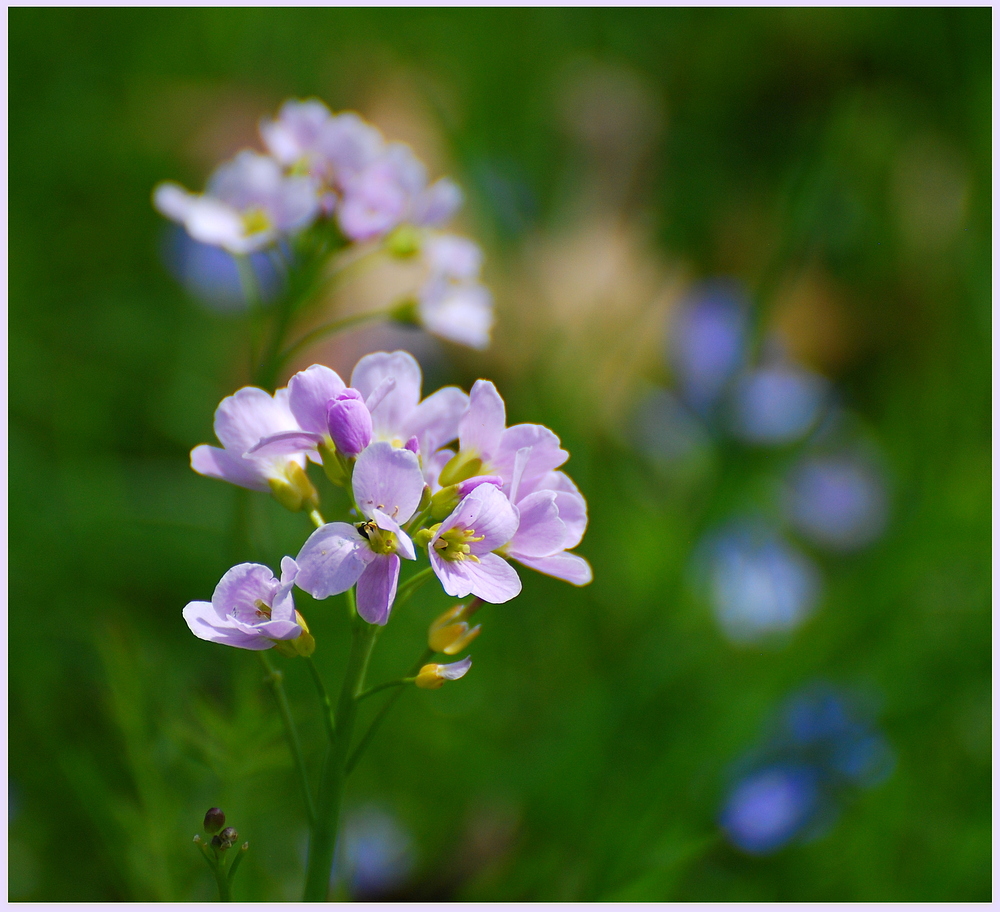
[{"x": 584, "y": 757}]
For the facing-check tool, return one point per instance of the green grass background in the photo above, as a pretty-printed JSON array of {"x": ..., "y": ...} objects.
[{"x": 597, "y": 725}]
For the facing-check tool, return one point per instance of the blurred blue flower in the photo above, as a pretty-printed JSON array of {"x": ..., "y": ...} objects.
[
  {"x": 770, "y": 807},
  {"x": 821, "y": 749},
  {"x": 707, "y": 342},
  {"x": 758, "y": 583},
  {"x": 374, "y": 853},
  {"x": 777, "y": 403},
  {"x": 829, "y": 726},
  {"x": 838, "y": 501},
  {"x": 211, "y": 275}
]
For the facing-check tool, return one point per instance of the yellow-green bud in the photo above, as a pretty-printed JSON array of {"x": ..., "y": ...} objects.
[
  {"x": 333, "y": 464},
  {"x": 461, "y": 466},
  {"x": 450, "y": 633},
  {"x": 404, "y": 242},
  {"x": 303, "y": 645},
  {"x": 294, "y": 491},
  {"x": 445, "y": 501},
  {"x": 431, "y": 677}
]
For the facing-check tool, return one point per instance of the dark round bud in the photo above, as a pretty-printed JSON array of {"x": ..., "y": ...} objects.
[
  {"x": 216, "y": 842},
  {"x": 215, "y": 820},
  {"x": 228, "y": 837}
]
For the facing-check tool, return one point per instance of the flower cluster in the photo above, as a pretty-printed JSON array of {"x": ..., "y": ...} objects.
[
  {"x": 321, "y": 167},
  {"x": 833, "y": 493},
  {"x": 822, "y": 749},
  {"x": 443, "y": 475}
]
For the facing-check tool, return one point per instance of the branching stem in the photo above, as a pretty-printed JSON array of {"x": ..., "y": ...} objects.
[{"x": 275, "y": 680}]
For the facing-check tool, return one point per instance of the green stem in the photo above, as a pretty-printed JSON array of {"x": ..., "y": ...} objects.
[
  {"x": 399, "y": 682},
  {"x": 271, "y": 361},
  {"x": 248, "y": 281},
  {"x": 324, "y": 698},
  {"x": 235, "y": 863},
  {"x": 329, "y": 329},
  {"x": 331, "y": 790},
  {"x": 418, "y": 521},
  {"x": 222, "y": 882},
  {"x": 275, "y": 681},
  {"x": 383, "y": 712},
  {"x": 412, "y": 585}
]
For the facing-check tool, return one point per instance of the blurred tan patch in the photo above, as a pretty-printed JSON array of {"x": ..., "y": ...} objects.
[
  {"x": 587, "y": 311},
  {"x": 201, "y": 122},
  {"x": 811, "y": 317}
]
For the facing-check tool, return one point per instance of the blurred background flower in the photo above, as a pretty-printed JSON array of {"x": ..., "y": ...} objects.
[
  {"x": 838, "y": 500},
  {"x": 822, "y": 748},
  {"x": 374, "y": 855},
  {"x": 740, "y": 261},
  {"x": 757, "y": 583}
]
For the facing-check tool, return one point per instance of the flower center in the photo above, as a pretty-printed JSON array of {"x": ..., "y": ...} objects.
[
  {"x": 454, "y": 545},
  {"x": 255, "y": 220},
  {"x": 380, "y": 541}
]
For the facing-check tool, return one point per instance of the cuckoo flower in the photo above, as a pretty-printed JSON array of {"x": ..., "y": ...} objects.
[
  {"x": 333, "y": 149},
  {"x": 387, "y": 486},
  {"x": 248, "y": 204},
  {"x": 461, "y": 313},
  {"x": 295, "y": 137},
  {"x": 391, "y": 190},
  {"x": 330, "y": 417},
  {"x": 250, "y": 609},
  {"x": 552, "y": 517},
  {"x": 453, "y": 303},
  {"x": 461, "y": 548},
  {"x": 488, "y": 447},
  {"x": 241, "y": 421},
  {"x": 400, "y": 415}
]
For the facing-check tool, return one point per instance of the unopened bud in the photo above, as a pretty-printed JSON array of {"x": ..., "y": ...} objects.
[
  {"x": 450, "y": 633},
  {"x": 425, "y": 500},
  {"x": 350, "y": 422},
  {"x": 303, "y": 645},
  {"x": 294, "y": 491},
  {"x": 403, "y": 242},
  {"x": 450, "y": 497},
  {"x": 215, "y": 820},
  {"x": 424, "y": 536},
  {"x": 227, "y": 838},
  {"x": 461, "y": 466},
  {"x": 333, "y": 467},
  {"x": 431, "y": 677}
]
